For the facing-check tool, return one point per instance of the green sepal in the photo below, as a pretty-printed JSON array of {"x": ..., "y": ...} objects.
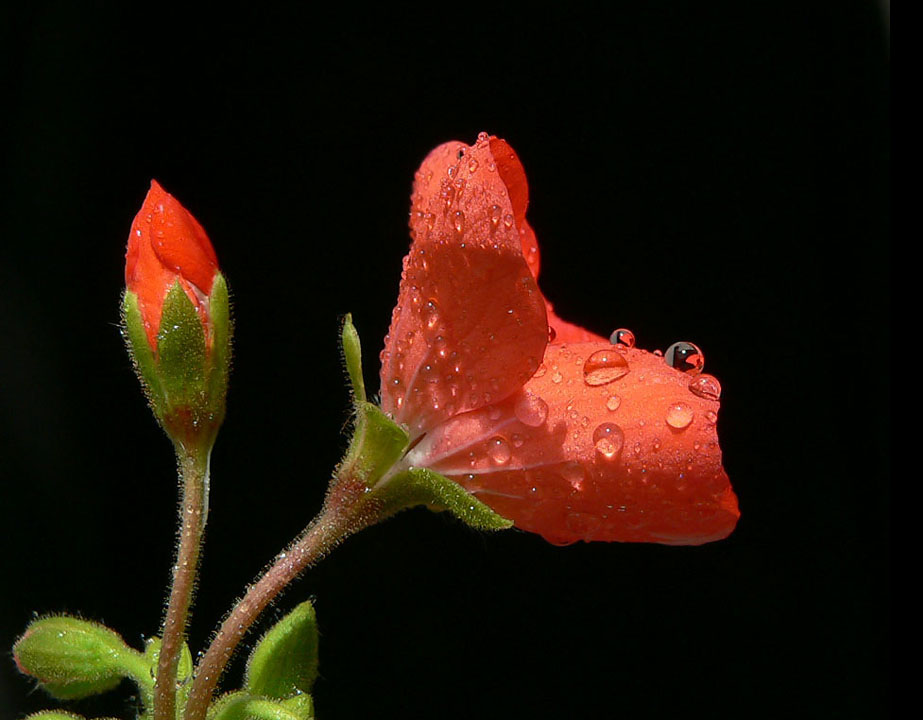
[
  {"x": 141, "y": 353},
  {"x": 352, "y": 358},
  {"x": 183, "y": 673},
  {"x": 181, "y": 349},
  {"x": 422, "y": 486},
  {"x": 73, "y": 658},
  {"x": 54, "y": 715},
  {"x": 219, "y": 305},
  {"x": 284, "y": 662},
  {"x": 378, "y": 442},
  {"x": 302, "y": 704},
  {"x": 242, "y": 706}
]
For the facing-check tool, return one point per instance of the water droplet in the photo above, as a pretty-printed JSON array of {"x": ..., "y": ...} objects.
[
  {"x": 495, "y": 214},
  {"x": 473, "y": 165},
  {"x": 573, "y": 473},
  {"x": 429, "y": 219},
  {"x": 604, "y": 367},
  {"x": 459, "y": 221},
  {"x": 552, "y": 334},
  {"x": 431, "y": 314},
  {"x": 613, "y": 402},
  {"x": 557, "y": 377},
  {"x": 685, "y": 357},
  {"x": 508, "y": 220},
  {"x": 483, "y": 137},
  {"x": 623, "y": 337},
  {"x": 705, "y": 386},
  {"x": 517, "y": 440},
  {"x": 711, "y": 416},
  {"x": 498, "y": 450},
  {"x": 679, "y": 416},
  {"x": 531, "y": 410},
  {"x": 609, "y": 439}
]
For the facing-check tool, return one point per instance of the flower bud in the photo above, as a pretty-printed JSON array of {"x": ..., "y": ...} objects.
[
  {"x": 73, "y": 658},
  {"x": 177, "y": 319}
]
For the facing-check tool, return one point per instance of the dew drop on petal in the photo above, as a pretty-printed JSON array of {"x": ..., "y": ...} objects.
[
  {"x": 557, "y": 377},
  {"x": 623, "y": 337},
  {"x": 508, "y": 220},
  {"x": 679, "y": 416},
  {"x": 604, "y": 367},
  {"x": 459, "y": 221},
  {"x": 431, "y": 314},
  {"x": 705, "y": 386},
  {"x": 711, "y": 416},
  {"x": 552, "y": 334},
  {"x": 612, "y": 404},
  {"x": 685, "y": 357},
  {"x": 531, "y": 410},
  {"x": 498, "y": 450},
  {"x": 473, "y": 165},
  {"x": 608, "y": 439},
  {"x": 573, "y": 473},
  {"x": 495, "y": 214}
]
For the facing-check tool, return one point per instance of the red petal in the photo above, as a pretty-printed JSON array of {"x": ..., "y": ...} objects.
[
  {"x": 469, "y": 327},
  {"x": 632, "y": 458},
  {"x": 166, "y": 244}
]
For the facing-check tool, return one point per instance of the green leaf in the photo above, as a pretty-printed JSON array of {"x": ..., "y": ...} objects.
[
  {"x": 378, "y": 442},
  {"x": 421, "y": 486},
  {"x": 73, "y": 658},
  {"x": 241, "y": 706},
  {"x": 352, "y": 356},
  {"x": 285, "y": 660}
]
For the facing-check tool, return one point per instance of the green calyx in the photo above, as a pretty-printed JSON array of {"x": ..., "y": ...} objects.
[
  {"x": 378, "y": 444},
  {"x": 73, "y": 658},
  {"x": 185, "y": 377}
]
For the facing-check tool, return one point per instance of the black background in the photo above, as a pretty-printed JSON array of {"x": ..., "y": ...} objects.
[{"x": 712, "y": 172}]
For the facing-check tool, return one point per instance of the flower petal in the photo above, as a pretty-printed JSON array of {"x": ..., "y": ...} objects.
[
  {"x": 603, "y": 450},
  {"x": 469, "y": 327}
]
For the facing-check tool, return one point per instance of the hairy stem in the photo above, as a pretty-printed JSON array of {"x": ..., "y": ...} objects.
[
  {"x": 344, "y": 513},
  {"x": 193, "y": 467}
]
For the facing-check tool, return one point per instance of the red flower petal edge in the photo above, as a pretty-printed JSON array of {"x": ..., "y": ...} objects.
[{"x": 595, "y": 442}]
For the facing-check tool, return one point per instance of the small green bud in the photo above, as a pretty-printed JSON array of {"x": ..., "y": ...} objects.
[{"x": 73, "y": 658}]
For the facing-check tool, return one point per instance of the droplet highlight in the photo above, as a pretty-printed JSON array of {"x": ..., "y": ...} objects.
[
  {"x": 623, "y": 337},
  {"x": 609, "y": 440},
  {"x": 604, "y": 367},
  {"x": 705, "y": 386},
  {"x": 679, "y": 416},
  {"x": 685, "y": 357},
  {"x": 531, "y": 410}
]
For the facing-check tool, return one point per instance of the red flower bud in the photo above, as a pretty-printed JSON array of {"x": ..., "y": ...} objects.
[{"x": 167, "y": 245}]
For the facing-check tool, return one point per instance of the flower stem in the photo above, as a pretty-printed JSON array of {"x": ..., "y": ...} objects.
[
  {"x": 193, "y": 467},
  {"x": 345, "y": 512}
]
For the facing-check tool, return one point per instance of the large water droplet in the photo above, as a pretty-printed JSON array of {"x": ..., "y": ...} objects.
[
  {"x": 498, "y": 450},
  {"x": 608, "y": 439},
  {"x": 531, "y": 410},
  {"x": 705, "y": 386},
  {"x": 679, "y": 416},
  {"x": 604, "y": 367},
  {"x": 623, "y": 337},
  {"x": 685, "y": 357}
]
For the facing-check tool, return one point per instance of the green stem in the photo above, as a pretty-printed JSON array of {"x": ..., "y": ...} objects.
[
  {"x": 193, "y": 467},
  {"x": 345, "y": 512}
]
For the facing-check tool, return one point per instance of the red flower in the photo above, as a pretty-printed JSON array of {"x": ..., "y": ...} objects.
[
  {"x": 554, "y": 427},
  {"x": 167, "y": 245}
]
